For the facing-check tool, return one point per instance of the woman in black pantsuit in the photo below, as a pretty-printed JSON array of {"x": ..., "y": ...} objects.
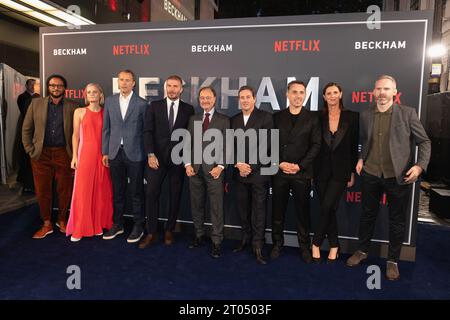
[{"x": 334, "y": 167}]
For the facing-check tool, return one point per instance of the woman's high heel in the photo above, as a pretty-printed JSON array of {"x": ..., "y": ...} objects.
[
  {"x": 315, "y": 260},
  {"x": 331, "y": 261}
]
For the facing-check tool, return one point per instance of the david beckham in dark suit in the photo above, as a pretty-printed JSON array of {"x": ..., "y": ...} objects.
[{"x": 161, "y": 119}]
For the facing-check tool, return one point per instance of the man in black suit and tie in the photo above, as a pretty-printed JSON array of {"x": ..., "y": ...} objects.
[
  {"x": 250, "y": 185},
  {"x": 163, "y": 117},
  {"x": 206, "y": 178},
  {"x": 300, "y": 138}
]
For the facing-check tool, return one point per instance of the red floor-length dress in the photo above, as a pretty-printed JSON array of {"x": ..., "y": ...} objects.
[{"x": 92, "y": 205}]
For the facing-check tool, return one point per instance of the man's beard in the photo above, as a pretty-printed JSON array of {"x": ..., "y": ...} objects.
[
  {"x": 54, "y": 96},
  {"x": 172, "y": 96}
]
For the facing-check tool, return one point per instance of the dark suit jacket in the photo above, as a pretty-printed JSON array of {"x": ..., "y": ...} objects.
[
  {"x": 218, "y": 121},
  {"x": 299, "y": 144},
  {"x": 406, "y": 133},
  {"x": 33, "y": 129},
  {"x": 258, "y": 119},
  {"x": 24, "y": 100},
  {"x": 157, "y": 132},
  {"x": 340, "y": 159}
]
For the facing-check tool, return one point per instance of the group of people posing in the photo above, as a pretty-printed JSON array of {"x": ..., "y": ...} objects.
[{"x": 114, "y": 143}]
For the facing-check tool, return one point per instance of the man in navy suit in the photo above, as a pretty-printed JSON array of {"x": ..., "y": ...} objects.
[
  {"x": 161, "y": 119},
  {"x": 123, "y": 152}
]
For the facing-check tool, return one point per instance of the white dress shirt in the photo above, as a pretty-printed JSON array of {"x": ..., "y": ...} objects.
[
  {"x": 124, "y": 102},
  {"x": 246, "y": 119}
]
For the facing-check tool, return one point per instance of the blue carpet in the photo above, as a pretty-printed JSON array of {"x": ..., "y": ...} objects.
[{"x": 36, "y": 269}]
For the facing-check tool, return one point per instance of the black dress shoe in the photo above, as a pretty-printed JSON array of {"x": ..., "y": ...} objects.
[
  {"x": 306, "y": 255},
  {"x": 259, "y": 256},
  {"x": 197, "y": 242},
  {"x": 275, "y": 253},
  {"x": 215, "y": 252},
  {"x": 241, "y": 246}
]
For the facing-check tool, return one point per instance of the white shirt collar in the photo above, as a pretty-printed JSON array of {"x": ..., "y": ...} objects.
[
  {"x": 211, "y": 112},
  {"x": 169, "y": 102},
  {"x": 127, "y": 98}
]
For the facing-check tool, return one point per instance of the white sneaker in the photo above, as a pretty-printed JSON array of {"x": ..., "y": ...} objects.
[
  {"x": 73, "y": 239},
  {"x": 99, "y": 234}
]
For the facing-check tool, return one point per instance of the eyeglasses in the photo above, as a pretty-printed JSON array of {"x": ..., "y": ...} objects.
[{"x": 56, "y": 86}]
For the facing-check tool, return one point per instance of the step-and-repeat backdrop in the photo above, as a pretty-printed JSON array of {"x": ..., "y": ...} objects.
[{"x": 265, "y": 53}]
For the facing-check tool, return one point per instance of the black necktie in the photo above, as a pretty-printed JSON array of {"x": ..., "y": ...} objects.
[
  {"x": 206, "y": 122},
  {"x": 171, "y": 117}
]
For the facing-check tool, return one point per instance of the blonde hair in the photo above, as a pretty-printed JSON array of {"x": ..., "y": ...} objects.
[{"x": 102, "y": 96}]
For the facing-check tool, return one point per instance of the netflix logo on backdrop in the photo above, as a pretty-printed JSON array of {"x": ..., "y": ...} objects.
[
  {"x": 296, "y": 45},
  {"x": 367, "y": 96},
  {"x": 355, "y": 197},
  {"x": 131, "y": 49},
  {"x": 75, "y": 93}
]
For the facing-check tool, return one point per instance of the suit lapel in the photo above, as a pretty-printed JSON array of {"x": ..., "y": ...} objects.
[
  {"x": 45, "y": 113},
  {"x": 252, "y": 119},
  {"x": 180, "y": 115},
  {"x": 326, "y": 130},
  {"x": 342, "y": 129},
  {"x": 116, "y": 107},
  {"x": 66, "y": 118},
  {"x": 370, "y": 124},
  {"x": 213, "y": 120},
  {"x": 394, "y": 120},
  {"x": 164, "y": 116},
  {"x": 130, "y": 108},
  {"x": 240, "y": 121}
]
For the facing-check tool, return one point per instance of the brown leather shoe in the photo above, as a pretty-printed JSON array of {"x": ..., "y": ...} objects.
[
  {"x": 61, "y": 224},
  {"x": 356, "y": 258},
  {"x": 43, "y": 232},
  {"x": 168, "y": 238},
  {"x": 148, "y": 241},
  {"x": 392, "y": 272}
]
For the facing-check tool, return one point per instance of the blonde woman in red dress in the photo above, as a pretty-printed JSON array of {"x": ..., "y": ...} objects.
[{"x": 92, "y": 208}]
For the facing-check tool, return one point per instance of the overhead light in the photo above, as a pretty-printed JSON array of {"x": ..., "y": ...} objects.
[
  {"x": 58, "y": 12},
  {"x": 30, "y": 12},
  {"x": 437, "y": 50},
  {"x": 38, "y": 4},
  {"x": 45, "y": 13},
  {"x": 46, "y": 18}
]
